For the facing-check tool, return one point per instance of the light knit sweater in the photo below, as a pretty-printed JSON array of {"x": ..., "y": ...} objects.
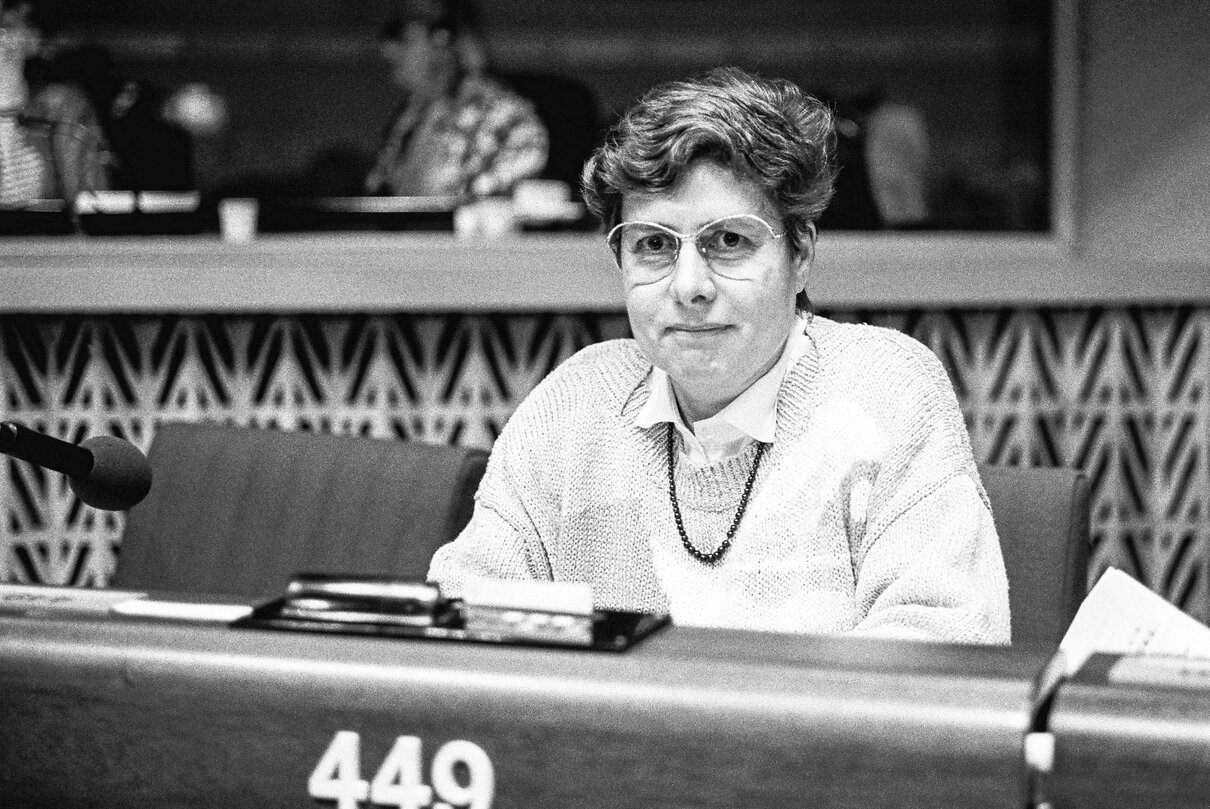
[{"x": 867, "y": 514}]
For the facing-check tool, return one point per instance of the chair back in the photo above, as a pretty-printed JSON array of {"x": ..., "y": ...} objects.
[
  {"x": 1042, "y": 516},
  {"x": 241, "y": 511}
]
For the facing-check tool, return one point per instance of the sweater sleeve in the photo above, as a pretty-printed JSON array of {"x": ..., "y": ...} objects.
[
  {"x": 514, "y": 512},
  {"x": 928, "y": 563},
  {"x": 512, "y": 515},
  {"x": 490, "y": 547},
  {"x": 935, "y": 572}
]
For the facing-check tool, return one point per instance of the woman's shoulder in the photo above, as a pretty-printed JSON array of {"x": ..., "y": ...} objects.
[
  {"x": 491, "y": 93},
  {"x": 878, "y": 360},
  {"x": 612, "y": 367},
  {"x": 849, "y": 343},
  {"x": 601, "y": 375}
]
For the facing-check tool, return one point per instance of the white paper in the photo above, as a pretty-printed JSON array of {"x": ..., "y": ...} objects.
[
  {"x": 182, "y": 610},
  {"x": 1182, "y": 672},
  {"x": 1122, "y": 616}
]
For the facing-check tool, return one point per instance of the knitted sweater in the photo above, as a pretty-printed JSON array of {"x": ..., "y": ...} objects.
[{"x": 867, "y": 514}]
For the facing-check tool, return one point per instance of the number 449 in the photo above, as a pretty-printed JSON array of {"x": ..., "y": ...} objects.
[{"x": 398, "y": 782}]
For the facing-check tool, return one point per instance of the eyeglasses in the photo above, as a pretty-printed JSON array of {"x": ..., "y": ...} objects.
[{"x": 647, "y": 252}]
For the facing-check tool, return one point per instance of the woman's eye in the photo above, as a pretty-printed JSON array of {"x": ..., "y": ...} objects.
[
  {"x": 655, "y": 243},
  {"x": 728, "y": 240}
]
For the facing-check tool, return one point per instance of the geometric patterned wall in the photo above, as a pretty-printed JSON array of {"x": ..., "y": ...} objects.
[{"x": 1122, "y": 393}]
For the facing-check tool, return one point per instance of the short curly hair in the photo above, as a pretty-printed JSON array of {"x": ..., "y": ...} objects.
[{"x": 767, "y": 130}]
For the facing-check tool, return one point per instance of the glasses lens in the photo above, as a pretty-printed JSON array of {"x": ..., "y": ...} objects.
[
  {"x": 730, "y": 244},
  {"x": 644, "y": 248}
]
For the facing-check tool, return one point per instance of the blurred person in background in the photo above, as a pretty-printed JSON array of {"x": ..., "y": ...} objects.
[
  {"x": 51, "y": 142},
  {"x": 898, "y": 160},
  {"x": 882, "y": 150},
  {"x": 457, "y": 131}
]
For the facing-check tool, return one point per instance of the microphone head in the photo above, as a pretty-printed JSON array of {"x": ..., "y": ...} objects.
[{"x": 120, "y": 476}]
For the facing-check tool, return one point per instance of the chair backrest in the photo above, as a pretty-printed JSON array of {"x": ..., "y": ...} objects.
[
  {"x": 1042, "y": 517},
  {"x": 241, "y": 511}
]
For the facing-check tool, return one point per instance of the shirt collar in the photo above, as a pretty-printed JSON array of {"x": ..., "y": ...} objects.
[{"x": 753, "y": 413}]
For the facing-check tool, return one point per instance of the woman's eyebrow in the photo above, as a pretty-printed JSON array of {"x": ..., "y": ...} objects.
[{"x": 697, "y": 226}]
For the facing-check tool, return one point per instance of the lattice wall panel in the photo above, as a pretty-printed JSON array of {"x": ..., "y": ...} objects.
[{"x": 1122, "y": 394}]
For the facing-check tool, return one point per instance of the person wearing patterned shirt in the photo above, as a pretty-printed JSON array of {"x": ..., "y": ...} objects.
[{"x": 458, "y": 131}]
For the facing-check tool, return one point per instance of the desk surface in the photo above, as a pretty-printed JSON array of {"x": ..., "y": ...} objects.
[{"x": 143, "y": 713}]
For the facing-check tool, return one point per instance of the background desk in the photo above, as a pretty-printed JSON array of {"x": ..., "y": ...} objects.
[{"x": 120, "y": 713}]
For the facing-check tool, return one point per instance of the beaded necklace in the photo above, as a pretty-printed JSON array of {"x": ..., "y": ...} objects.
[{"x": 714, "y": 556}]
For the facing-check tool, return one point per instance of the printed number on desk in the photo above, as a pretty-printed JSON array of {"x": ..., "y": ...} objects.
[{"x": 398, "y": 782}]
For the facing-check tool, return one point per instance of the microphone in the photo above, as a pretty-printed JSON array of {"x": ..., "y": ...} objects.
[{"x": 105, "y": 472}]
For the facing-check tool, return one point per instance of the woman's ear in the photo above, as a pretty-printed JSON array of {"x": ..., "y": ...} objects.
[{"x": 805, "y": 257}]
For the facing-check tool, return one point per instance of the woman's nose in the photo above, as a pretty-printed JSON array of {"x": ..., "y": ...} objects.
[{"x": 692, "y": 278}]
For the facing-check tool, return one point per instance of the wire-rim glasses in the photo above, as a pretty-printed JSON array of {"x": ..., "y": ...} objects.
[{"x": 647, "y": 252}]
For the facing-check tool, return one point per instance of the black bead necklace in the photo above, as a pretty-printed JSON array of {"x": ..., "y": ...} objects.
[{"x": 714, "y": 556}]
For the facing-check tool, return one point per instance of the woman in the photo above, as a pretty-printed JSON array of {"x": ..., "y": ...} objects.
[{"x": 739, "y": 463}]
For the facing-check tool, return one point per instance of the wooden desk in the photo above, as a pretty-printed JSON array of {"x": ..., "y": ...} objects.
[{"x": 1132, "y": 732}]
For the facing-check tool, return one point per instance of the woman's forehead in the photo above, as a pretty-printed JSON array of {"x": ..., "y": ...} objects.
[{"x": 704, "y": 191}]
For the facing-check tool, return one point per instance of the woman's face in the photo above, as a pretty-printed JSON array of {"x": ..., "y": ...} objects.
[{"x": 714, "y": 335}]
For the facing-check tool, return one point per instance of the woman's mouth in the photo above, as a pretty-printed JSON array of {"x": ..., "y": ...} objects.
[{"x": 698, "y": 328}]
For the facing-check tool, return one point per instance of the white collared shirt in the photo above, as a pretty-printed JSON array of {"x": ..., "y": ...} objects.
[{"x": 751, "y": 416}]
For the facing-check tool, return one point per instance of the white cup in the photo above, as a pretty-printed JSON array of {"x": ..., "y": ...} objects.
[
  {"x": 488, "y": 218},
  {"x": 237, "y": 219}
]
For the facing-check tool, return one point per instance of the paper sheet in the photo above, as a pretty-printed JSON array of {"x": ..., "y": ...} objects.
[
  {"x": 1122, "y": 616},
  {"x": 182, "y": 610}
]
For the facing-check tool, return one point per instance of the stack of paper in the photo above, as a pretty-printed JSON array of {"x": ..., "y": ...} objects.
[{"x": 1121, "y": 616}]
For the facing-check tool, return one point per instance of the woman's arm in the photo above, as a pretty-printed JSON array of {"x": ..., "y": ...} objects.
[
  {"x": 489, "y": 547},
  {"x": 524, "y": 146},
  {"x": 927, "y": 559},
  {"x": 935, "y": 572},
  {"x": 513, "y": 512}
]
